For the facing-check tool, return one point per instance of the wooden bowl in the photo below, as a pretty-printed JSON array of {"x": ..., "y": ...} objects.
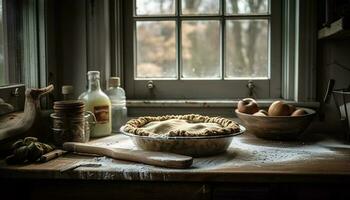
[{"x": 277, "y": 127}]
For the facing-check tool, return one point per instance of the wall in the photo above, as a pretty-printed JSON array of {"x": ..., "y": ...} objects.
[
  {"x": 333, "y": 63},
  {"x": 78, "y": 41}
]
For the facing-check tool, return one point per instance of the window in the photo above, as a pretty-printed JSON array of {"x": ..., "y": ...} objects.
[
  {"x": 19, "y": 41},
  {"x": 10, "y": 37},
  {"x": 2, "y": 62},
  {"x": 202, "y": 49},
  {"x": 19, "y": 52}
]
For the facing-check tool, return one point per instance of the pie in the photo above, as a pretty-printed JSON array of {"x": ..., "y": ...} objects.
[{"x": 181, "y": 125}]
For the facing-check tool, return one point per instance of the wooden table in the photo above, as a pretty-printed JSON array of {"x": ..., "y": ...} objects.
[{"x": 251, "y": 166}]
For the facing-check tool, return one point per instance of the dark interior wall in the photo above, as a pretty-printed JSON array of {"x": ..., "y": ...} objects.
[
  {"x": 71, "y": 42},
  {"x": 78, "y": 41},
  {"x": 66, "y": 38},
  {"x": 333, "y": 61},
  {"x": 333, "y": 58}
]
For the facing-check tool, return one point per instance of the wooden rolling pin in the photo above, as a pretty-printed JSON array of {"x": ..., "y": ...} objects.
[{"x": 169, "y": 160}]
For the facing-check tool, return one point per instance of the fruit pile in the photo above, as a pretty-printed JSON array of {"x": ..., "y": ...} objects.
[
  {"x": 277, "y": 108},
  {"x": 28, "y": 150}
]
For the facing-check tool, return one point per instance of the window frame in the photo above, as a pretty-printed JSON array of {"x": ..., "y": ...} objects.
[
  {"x": 184, "y": 89},
  {"x": 25, "y": 42},
  {"x": 25, "y": 49},
  {"x": 10, "y": 19}
]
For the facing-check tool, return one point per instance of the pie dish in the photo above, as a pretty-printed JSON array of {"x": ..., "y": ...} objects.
[
  {"x": 192, "y": 135},
  {"x": 181, "y": 125}
]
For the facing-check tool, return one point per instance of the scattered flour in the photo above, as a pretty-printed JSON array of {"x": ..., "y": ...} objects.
[{"x": 240, "y": 153}]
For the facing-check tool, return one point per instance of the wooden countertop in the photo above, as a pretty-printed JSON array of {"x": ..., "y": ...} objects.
[{"x": 248, "y": 159}]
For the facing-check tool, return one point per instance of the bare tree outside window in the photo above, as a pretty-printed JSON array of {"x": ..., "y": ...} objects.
[
  {"x": 246, "y": 48},
  {"x": 248, "y": 7},
  {"x": 245, "y": 41},
  {"x": 200, "y": 45},
  {"x": 200, "y": 7},
  {"x": 155, "y": 7},
  {"x": 156, "y": 49}
]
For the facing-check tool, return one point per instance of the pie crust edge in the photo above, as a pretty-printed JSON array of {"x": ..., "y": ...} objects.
[{"x": 134, "y": 126}]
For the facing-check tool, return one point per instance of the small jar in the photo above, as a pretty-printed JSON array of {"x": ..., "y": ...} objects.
[
  {"x": 71, "y": 123},
  {"x": 71, "y": 129}
]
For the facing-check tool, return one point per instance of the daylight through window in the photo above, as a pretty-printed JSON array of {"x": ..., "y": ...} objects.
[{"x": 202, "y": 39}]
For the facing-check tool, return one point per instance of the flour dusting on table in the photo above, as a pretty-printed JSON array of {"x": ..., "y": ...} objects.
[{"x": 241, "y": 153}]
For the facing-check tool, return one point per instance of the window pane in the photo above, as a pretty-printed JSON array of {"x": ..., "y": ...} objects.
[
  {"x": 246, "y": 48},
  {"x": 199, "y": 7},
  {"x": 247, "y": 6},
  {"x": 2, "y": 56},
  {"x": 156, "y": 49},
  {"x": 155, "y": 7},
  {"x": 200, "y": 42}
]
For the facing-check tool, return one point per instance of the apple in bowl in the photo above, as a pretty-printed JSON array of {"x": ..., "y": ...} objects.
[
  {"x": 279, "y": 108},
  {"x": 248, "y": 105}
]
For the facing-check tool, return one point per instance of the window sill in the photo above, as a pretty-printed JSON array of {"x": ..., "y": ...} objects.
[{"x": 207, "y": 103}]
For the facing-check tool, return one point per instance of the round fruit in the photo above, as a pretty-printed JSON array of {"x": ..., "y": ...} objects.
[
  {"x": 279, "y": 108},
  {"x": 248, "y": 106},
  {"x": 261, "y": 113},
  {"x": 291, "y": 108},
  {"x": 299, "y": 112}
]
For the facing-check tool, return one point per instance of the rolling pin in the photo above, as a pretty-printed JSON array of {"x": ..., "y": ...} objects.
[{"x": 162, "y": 159}]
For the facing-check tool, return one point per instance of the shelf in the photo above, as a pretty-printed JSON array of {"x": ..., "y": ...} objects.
[{"x": 338, "y": 29}]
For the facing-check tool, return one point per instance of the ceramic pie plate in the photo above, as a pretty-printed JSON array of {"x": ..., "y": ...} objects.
[{"x": 195, "y": 146}]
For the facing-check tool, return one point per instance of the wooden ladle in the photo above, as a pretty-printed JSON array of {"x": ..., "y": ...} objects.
[{"x": 169, "y": 160}]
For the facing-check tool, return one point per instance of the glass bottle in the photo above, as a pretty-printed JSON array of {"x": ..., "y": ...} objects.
[
  {"x": 98, "y": 103},
  {"x": 117, "y": 96},
  {"x": 81, "y": 96}
]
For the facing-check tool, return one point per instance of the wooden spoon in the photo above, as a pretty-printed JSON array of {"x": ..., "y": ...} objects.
[{"x": 169, "y": 160}]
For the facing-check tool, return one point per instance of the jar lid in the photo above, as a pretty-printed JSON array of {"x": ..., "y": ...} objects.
[
  {"x": 114, "y": 82},
  {"x": 69, "y": 105},
  {"x": 67, "y": 89}
]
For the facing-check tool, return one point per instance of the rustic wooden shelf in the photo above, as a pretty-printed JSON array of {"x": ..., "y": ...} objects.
[{"x": 338, "y": 29}]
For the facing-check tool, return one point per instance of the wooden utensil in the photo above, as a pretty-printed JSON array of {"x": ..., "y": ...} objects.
[
  {"x": 326, "y": 99},
  {"x": 169, "y": 160},
  {"x": 51, "y": 155}
]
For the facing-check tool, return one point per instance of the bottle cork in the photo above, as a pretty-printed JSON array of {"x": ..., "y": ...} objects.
[
  {"x": 114, "y": 82},
  {"x": 67, "y": 89}
]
